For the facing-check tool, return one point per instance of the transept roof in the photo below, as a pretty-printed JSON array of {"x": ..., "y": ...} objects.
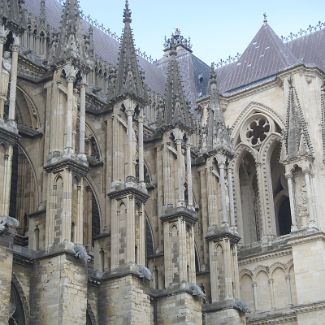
[{"x": 265, "y": 56}]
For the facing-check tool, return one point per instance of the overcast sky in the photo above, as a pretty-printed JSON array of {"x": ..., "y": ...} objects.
[{"x": 218, "y": 28}]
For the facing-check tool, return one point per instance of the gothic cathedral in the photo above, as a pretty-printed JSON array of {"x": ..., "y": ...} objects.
[{"x": 167, "y": 192}]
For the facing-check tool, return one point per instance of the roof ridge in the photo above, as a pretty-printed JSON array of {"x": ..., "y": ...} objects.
[
  {"x": 282, "y": 49},
  {"x": 303, "y": 32}
]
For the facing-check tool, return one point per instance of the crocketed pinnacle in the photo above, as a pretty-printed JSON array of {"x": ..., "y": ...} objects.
[
  {"x": 70, "y": 39},
  {"x": 176, "y": 111},
  {"x": 296, "y": 139},
  {"x": 42, "y": 16},
  {"x": 129, "y": 80},
  {"x": 218, "y": 138}
]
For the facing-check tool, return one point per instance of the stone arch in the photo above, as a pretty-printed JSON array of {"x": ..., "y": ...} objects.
[
  {"x": 246, "y": 209},
  {"x": 280, "y": 288},
  {"x": 260, "y": 268},
  {"x": 95, "y": 192},
  {"x": 32, "y": 120},
  {"x": 24, "y": 191},
  {"x": 246, "y": 288},
  {"x": 275, "y": 266},
  {"x": 93, "y": 149},
  {"x": 263, "y": 294},
  {"x": 250, "y": 109},
  {"x": 197, "y": 258},
  {"x": 150, "y": 241},
  {"x": 22, "y": 297}
]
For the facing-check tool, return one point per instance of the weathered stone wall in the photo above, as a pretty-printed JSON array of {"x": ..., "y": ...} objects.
[
  {"x": 5, "y": 278},
  {"x": 180, "y": 309},
  {"x": 59, "y": 291},
  {"x": 225, "y": 317},
  {"x": 123, "y": 301}
]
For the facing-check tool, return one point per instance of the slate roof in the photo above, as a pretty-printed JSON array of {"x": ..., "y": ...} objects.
[
  {"x": 106, "y": 46},
  {"x": 265, "y": 56},
  {"x": 195, "y": 74}
]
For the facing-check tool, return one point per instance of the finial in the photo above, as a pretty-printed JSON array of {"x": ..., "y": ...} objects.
[
  {"x": 265, "y": 18},
  {"x": 213, "y": 73},
  {"x": 127, "y": 13}
]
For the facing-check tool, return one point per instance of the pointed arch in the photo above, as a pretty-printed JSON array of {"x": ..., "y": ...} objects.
[
  {"x": 250, "y": 109},
  {"x": 22, "y": 312},
  {"x": 149, "y": 238}
]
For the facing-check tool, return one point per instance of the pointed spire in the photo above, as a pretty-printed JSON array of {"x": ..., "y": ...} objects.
[
  {"x": 129, "y": 81},
  {"x": 91, "y": 44},
  {"x": 296, "y": 139},
  {"x": 42, "y": 16},
  {"x": 70, "y": 38},
  {"x": 127, "y": 13},
  {"x": 176, "y": 111},
  {"x": 218, "y": 138}
]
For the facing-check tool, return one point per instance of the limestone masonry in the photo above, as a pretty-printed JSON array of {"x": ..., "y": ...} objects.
[{"x": 135, "y": 192}]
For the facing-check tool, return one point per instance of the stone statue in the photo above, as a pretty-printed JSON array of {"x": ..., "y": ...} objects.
[{"x": 6, "y": 70}]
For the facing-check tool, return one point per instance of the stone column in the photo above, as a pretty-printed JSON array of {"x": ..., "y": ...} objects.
[
  {"x": 180, "y": 164},
  {"x": 236, "y": 272},
  {"x": 189, "y": 174},
  {"x": 142, "y": 237},
  {"x": 182, "y": 258},
  {"x": 294, "y": 226},
  {"x": 141, "y": 155},
  {"x": 71, "y": 73},
  {"x": 312, "y": 223},
  {"x": 129, "y": 113},
  {"x": 254, "y": 284},
  {"x": 130, "y": 231},
  {"x": 271, "y": 281},
  {"x": 13, "y": 78},
  {"x": 228, "y": 271},
  {"x": 80, "y": 217},
  {"x": 7, "y": 181},
  {"x": 212, "y": 215},
  {"x": 82, "y": 126},
  {"x": 221, "y": 163},
  {"x": 2, "y": 95},
  {"x": 231, "y": 200}
]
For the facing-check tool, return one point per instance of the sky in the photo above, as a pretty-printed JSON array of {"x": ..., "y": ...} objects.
[{"x": 217, "y": 28}]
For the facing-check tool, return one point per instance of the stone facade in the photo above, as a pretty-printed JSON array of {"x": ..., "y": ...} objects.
[{"x": 156, "y": 193}]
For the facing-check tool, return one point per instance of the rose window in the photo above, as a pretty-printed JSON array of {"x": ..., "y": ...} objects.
[{"x": 256, "y": 129}]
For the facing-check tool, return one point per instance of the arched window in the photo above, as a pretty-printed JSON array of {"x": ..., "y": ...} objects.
[
  {"x": 280, "y": 194},
  {"x": 17, "y": 314},
  {"x": 249, "y": 199},
  {"x": 149, "y": 240}
]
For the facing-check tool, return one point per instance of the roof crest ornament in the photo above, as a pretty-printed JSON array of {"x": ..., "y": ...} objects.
[
  {"x": 177, "y": 39},
  {"x": 303, "y": 32},
  {"x": 265, "y": 18}
]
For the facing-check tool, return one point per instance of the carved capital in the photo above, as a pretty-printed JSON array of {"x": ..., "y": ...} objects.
[
  {"x": 288, "y": 175},
  {"x": 70, "y": 72},
  {"x": 221, "y": 159}
]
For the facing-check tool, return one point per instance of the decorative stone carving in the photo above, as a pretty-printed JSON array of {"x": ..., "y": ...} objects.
[
  {"x": 8, "y": 223},
  {"x": 81, "y": 253}
]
